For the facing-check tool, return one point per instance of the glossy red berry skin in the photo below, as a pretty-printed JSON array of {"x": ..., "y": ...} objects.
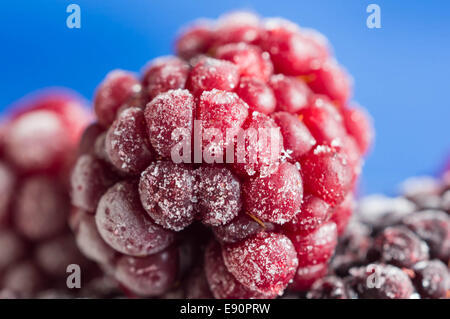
[
  {"x": 297, "y": 140},
  {"x": 164, "y": 74},
  {"x": 291, "y": 94},
  {"x": 257, "y": 94},
  {"x": 209, "y": 73},
  {"x": 113, "y": 92},
  {"x": 331, "y": 80},
  {"x": 251, "y": 60},
  {"x": 326, "y": 174},
  {"x": 292, "y": 51},
  {"x": 195, "y": 40},
  {"x": 313, "y": 212},
  {"x": 323, "y": 121}
]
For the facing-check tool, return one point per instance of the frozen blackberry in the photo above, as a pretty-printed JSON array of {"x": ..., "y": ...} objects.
[
  {"x": 378, "y": 281},
  {"x": 432, "y": 279},
  {"x": 329, "y": 288}
]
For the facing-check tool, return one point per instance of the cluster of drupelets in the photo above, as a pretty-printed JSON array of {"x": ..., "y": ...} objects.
[
  {"x": 38, "y": 144},
  {"x": 239, "y": 229}
]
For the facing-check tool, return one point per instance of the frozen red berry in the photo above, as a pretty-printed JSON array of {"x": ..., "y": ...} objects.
[
  {"x": 251, "y": 60},
  {"x": 333, "y": 81},
  {"x": 90, "y": 179},
  {"x": 218, "y": 194},
  {"x": 38, "y": 142},
  {"x": 126, "y": 142},
  {"x": 222, "y": 283},
  {"x": 258, "y": 148},
  {"x": 125, "y": 226},
  {"x": 70, "y": 108},
  {"x": 237, "y": 27},
  {"x": 257, "y": 94},
  {"x": 317, "y": 246},
  {"x": 313, "y": 212},
  {"x": 164, "y": 74},
  {"x": 209, "y": 73},
  {"x": 292, "y": 52},
  {"x": 291, "y": 93},
  {"x": 275, "y": 198},
  {"x": 169, "y": 118},
  {"x": 41, "y": 208},
  {"x": 115, "y": 90},
  {"x": 166, "y": 192},
  {"x": 194, "y": 40},
  {"x": 221, "y": 115},
  {"x": 90, "y": 242},
  {"x": 297, "y": 140},
  {"x": 324, "y": 121},
  {"x": 149, "y": 276},
  {"x": 326, "y": 174},
  {"x": 264, "y": 263}
]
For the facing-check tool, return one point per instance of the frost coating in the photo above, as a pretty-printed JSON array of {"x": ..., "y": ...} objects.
[
  {"x": 125, "y": 226},
  {"x": 166, "y": 192},
  {"x": 264, "y": 263}
]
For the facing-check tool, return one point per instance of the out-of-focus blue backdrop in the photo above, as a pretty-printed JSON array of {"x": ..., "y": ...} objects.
[{"x": 401, "y": 71}]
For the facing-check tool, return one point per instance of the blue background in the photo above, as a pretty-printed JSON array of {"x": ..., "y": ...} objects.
[{"x": 401, "y": 71}]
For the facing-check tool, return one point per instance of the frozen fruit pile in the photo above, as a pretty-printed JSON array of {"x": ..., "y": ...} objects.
[
  {"x": 396, "y": 247},
  {"x": 37, "y": 147},
  {"x": 147, "y": 207}
]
